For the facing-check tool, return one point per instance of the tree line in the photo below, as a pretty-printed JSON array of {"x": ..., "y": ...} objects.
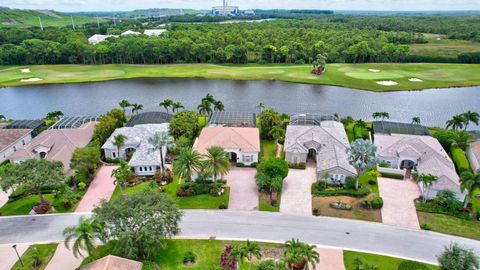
[{"x": 278, "y": 41}]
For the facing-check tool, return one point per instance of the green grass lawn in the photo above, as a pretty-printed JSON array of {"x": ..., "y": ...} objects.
[
  {"x": 171, "y": 256},
  {"x": 450, "y": 225},
  {"x": 24, "y": 206},
  {"x": 204, "y": 201},
  {"x": 27, "y": 18},
  {"x": 444, "y": 47},
  {"x": 475, "y": 201},
  {"x": 348, "y": 75},
  {"x": 44, "y": 251},
  {"x": 382, "y": 262},
  {"x": 269, "y": 149},
  {"x": 264, "y": 202}
]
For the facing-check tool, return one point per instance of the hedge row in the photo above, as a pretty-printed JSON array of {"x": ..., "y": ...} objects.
[
  {"x": 361, "y": 192},
  {"x": 392, "y": 175},
  {"x": 460, "y": 159},
  {"x": 297, "y": 165}
]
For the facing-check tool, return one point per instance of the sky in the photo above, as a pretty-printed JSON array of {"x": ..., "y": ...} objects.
[{"x": 118, "y": 5}]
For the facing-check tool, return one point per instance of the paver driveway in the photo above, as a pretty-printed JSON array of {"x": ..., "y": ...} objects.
[
  {"x": 243, "y": 189},
  {"x": 100, "y": 188},
  {"x": 398, "y": 202},
  {"x": 296, "y": 193}
]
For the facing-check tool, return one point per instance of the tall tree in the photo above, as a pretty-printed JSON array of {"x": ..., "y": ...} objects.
[
  {"x": 84, "y": 235},
  {"x": 166, "y": 103},
  {"x": 33, "y": 175},
  {"x": 470, "y": 182},
  {"x": 158, "y": 142},
  {"x": 427, "y": 180},
  {"x": 85, "y": 159},
  {"x": 218, "y": 106},
  {"x": 186, "y": 162},
  {"x": 461, "y": 139},
  {"x": 470, "y": 116},
  {"x": 362, "y": 156},
  {"x": 455, "y": 257},
  {"x": 300, "y": 255},
  {"x": 176, "y": 106},
  {"x": 457, "y": 122},
  {"x": 122, "y": 174},
  {"x": 377, "y": 115},
  {"x": 205, "y": 107},
  {"x": 277, "y": 133},
  {"x": 2, "y": 117},
  {"x": 270, "y": 175},
  {"x": 136, "y": 108},
  {"x": 416, "y": 120},
  {"x": 252, "y": 250},
  {"x": 119, "y": 141},
  {"x": 216, "y": 161},
  {"x": 184, "y": 124},
  {"x": 124, "y": 104},
  {"x": 140, "y": 222}
]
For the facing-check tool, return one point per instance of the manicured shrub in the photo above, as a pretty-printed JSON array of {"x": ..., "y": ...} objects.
[
  {"x": 350, "y": 182},
  {"x": 361, "y": 192},
  {"x": 358, "y": 132},
  {"x": 411, "y": 265},
  {"x": 316, "y": 212},
  {"x": 372, "y": 182},
  {"x": 112, "y": 160},
  {"x": 81, "y": 186},
  {"x": 375, "y": 203},
  {"x": 425, "y": 227},
  {"x": 189, "y": 257},
  {"x": 460, "y": 159},
  {"x": 300, "y": 165},
  {"x": 240, "y": 165},
  {"x": 392, "y": 175},
  {"x": 222, "y": 206}
]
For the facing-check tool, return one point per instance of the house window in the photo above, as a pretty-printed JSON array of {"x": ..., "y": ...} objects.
[
  {"x": 23, "y": 142},
  {"x": 43, "y": 155},
  {"x": 114, "y": 155},
  {"x": 14, "y": 149},
  {"x": 150, "y": 168},
  {"x": 140, "y": 168},
  {"x": 247, "y": 158},
  {"x": 295, "y": 159}
]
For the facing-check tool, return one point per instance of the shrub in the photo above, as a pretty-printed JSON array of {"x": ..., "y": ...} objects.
[
  {"x": 358, "y": 132},
  {"x": 375, "y": 203},
  {"x": 425, "y": 227},
  {"x": 81, "y": 176},
  {"x": 460, "y": 159},
  {"x": 350, "y": 182},
  {"x": 189, "y": 257},
  {"x": 372, "y": 182},
  {"x": 81, "y": 186},
  {"x": 201, "y": 189},
  {"x": 361, "y": 192},
  {"x": 411, "y": 265},
  {"x": 393, "y": 175},
  {"x": 300, "y": 165},
  {"x": 316, "y": 212},
  {"x": 215, "y": 190},
  {"x": 112, "y": 160},
  {"x": 383, "y": 164},
  {"x": 223, "y": 206},
  {"x": 240, "y": 165}
]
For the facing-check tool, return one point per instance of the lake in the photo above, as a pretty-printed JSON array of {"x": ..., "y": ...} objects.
[{"x": 433, "y": 106}]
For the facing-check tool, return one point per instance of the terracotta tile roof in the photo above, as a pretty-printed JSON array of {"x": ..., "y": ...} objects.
[
  {"x": 243, "y": 138},
  {"x": 111, "y": 262},
  {"x": 10, "y": 136},
  {"x": 60, "y": 143}
]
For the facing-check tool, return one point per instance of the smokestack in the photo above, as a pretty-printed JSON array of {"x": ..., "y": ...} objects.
[{"x": 224, "y": 5}]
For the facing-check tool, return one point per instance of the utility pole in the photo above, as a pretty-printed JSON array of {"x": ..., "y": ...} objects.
[
  {"x": 73, "y": 23},
  {"x": 40, "y": 20},
  {"x": 18, "y": 255}
]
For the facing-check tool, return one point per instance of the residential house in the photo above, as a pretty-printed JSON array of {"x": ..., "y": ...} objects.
[
  {"x": 154, "y": 32},
  {"x": 142, "y": 158},
  {"x": 12, "y": 140},
  {"x": 241, "y": 143},
  {"x": 421, "y": 153},
  {"x": 111, "y": 262},
  {"x": 56, "y": 144},
  {"x": 324, "y": 142}
]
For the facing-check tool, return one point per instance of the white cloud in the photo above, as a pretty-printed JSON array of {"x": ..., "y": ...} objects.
[{"x": 89, "y": 5}]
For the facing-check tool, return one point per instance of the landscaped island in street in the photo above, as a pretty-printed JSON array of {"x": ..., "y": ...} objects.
[{"x": 372, "y": 76}]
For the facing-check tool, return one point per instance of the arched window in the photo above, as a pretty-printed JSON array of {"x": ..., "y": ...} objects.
[{"x": 43, "y": 155}]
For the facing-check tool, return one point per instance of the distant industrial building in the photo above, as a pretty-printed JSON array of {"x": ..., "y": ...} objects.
[{"x": 225, "y": 10}]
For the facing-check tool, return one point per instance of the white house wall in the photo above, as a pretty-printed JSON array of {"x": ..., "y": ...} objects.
[
  {"x": 295, "y": 157},
  {"x": 19, "y": 144}
]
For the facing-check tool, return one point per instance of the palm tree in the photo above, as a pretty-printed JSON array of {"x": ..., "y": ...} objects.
[
  {"x": 166, "y": 103},
  {"x": 299, "y": 255},
  {"x": 2, "y": 117},
  {"x": 277, "y": 133},
  {"x": 204, "y": 108},
  {"x": 377, "y": 115},
  {"x": 427, "y": 180},
  {"x": 158, "y": 141},
  {"x": 136, "y": 108},
  {"x": 239, "y": 253},
  {"x": 461, "y": 139},
  {"x": 119, "y": 141},
  {"x": 470, "y": 116},
  {"x": 85, "y": 234},
  {"x": 456, "y": 122},
  {"x": 361, "y": 123},
  {"x": 385, "y": 115},
  {"x": 261, "y": 106},
  {"x": 122, "y": 174},
  {"x": 416, "y": 120},
  {"x": 362, "y": 156},
  {"x": 469, "y": 182},
  {"x": 176, "y": 106},
  {"x": 124, "y": 104},
  {"x": 216, "y": 161},
  {"x": 252, "y": 249},
  {"x": 187, "y": 161},
  {"x": 218, "y": 106},
  {"x": 209, "y": 97}
]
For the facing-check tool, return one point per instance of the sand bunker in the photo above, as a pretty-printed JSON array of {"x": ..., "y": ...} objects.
[
  {"x": 25, "y": 70},
  {"x": 374, "y": 70},
  {"x": 387, "y": 83},
  {"x": 415, "y": 80},
  {"x": 31, "y": 80}
]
